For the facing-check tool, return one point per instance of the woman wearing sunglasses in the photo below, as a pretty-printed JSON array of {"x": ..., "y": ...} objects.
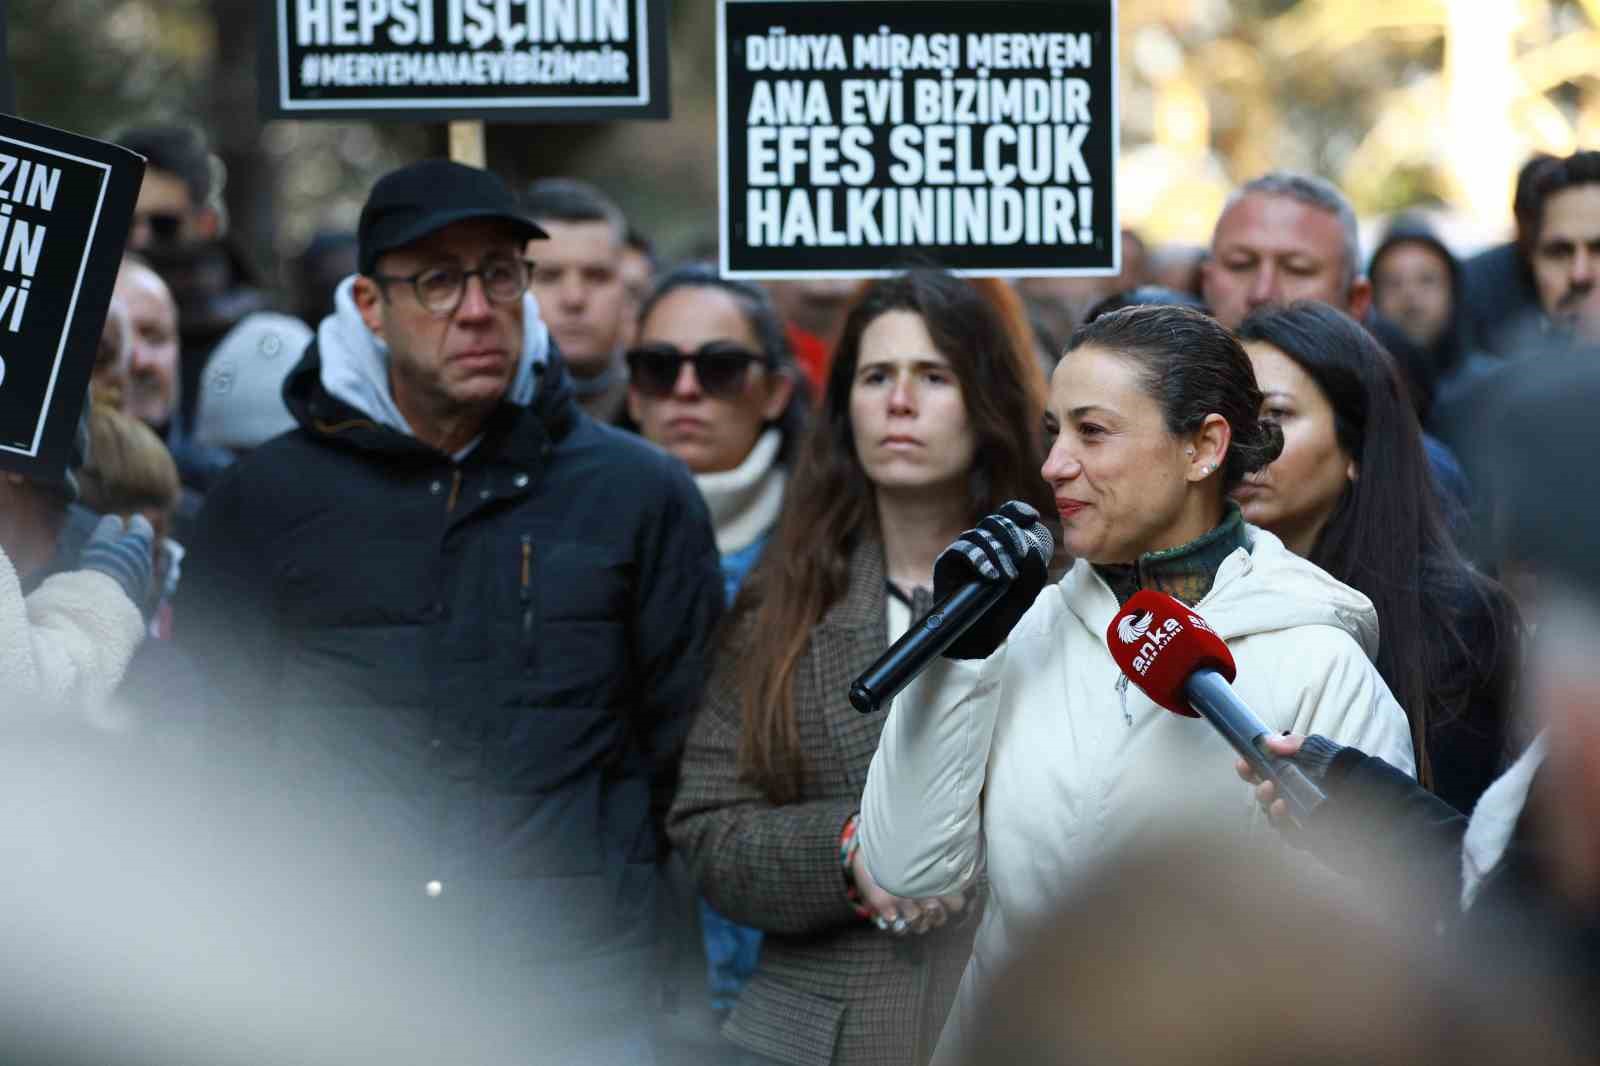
[
  {"x": 711, "y": 381},
  {"x": 927, "y": 424}
]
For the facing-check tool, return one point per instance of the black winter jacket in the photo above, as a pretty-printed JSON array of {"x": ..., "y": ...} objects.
[{"x": 474, "y": 678}]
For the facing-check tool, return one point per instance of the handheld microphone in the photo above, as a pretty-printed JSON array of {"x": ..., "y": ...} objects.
[
  {"x": 1180, "y": 663},
  {"x": 952, "y": 616}
]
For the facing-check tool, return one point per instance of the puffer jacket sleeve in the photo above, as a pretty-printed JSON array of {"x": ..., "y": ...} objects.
[
  {"x": 229, "y": 627},
  {"x": 770, "y": 867},
  {"x": 69, "y": 643},
  {"x": 680, "y": 601},
  {"x": 920, "y": 815},
  {"x": 1345, "y": 699}
]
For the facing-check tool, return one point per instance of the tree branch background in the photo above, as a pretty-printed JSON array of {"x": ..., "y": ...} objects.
[{"x": 1405, "y": 103}]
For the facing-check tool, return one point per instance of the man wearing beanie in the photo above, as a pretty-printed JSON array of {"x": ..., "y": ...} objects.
[{"x": 467, "y": 624}]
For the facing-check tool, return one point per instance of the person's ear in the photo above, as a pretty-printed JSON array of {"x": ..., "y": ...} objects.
[
  {"x": 368, "y": 296},
  {"x": 1210, "y": 444},
  {"x": 207, "y": 224},
  {"x": 1360, "y": 299},
  {"x": 1352, "y": 471},
  {"x": 780, "y": 387}
]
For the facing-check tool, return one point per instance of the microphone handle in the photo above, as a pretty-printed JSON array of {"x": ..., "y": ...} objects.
[
  {"x": 925, "y": 641},
  {"x": 1210, "y": 694}
]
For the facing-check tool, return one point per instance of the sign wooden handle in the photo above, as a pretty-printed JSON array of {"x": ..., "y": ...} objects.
[{"x": 466, "y": 143}]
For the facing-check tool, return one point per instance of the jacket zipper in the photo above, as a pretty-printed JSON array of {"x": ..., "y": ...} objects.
[
  {"x": 525, "y": 594},
  {"x": 455, "y": 492}
]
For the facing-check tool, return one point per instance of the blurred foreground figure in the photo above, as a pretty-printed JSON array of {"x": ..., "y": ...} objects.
[
  {"x": 1199, "y": 955},
  {"x": 1526, "y": 865},
  {"x": 71, "y": 589}
]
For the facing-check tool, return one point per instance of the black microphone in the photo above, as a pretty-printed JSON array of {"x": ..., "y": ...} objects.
[
  {"x": 952, "y": 616},
  {"x": 1178, "y": 661}
]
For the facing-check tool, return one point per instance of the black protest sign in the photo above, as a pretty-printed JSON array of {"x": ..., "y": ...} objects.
[
  {"x": 434, "y": 60},
  {"x": 857, "y": 136},
  {"x": 65, "y": 205}
]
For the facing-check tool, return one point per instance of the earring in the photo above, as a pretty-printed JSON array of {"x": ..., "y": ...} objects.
[
  {"x": 1190, "y": 452},
  {"x": 1209, "y": 469}
]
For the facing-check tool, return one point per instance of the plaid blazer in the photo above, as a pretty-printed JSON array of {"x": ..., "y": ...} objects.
[{"x": 830, "y": 988}]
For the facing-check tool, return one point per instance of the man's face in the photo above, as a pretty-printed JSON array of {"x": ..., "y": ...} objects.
[
  {"x": 1411, "y": 284},
  {"x": 1270, "y": 249},
  {"x": 1566, "y": 260},
  {"x": 442, "y": 365},
  {"x": 577, "y": 277},
  {"x": 153, "y": 352},
  {"x": 110, "y": 375},
  {"x": 637, "y": 278},
  {"x": 165, "y": 216}
]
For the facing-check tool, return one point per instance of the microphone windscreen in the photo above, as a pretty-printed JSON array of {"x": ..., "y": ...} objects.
[
  {"x": 1158, "y": 642},
  {"x": 1036, "y": 539}
]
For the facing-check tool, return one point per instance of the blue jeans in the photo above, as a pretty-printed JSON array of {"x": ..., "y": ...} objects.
[{"x": 731, "y": 954}]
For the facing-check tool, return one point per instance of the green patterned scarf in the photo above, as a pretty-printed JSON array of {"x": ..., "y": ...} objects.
[{"x": 1185, "y": 572}]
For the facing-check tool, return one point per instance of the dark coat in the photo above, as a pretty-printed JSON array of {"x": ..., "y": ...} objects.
[
  {"x": 1381, "y": 827},
  {"x": 475, "y": 677},
  {"x": 1498, "y": 291},
  {"x": 830, "y": 988}
]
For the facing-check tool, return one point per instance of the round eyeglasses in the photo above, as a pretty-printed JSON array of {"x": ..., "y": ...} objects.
[{"x": 439, "y": 289}]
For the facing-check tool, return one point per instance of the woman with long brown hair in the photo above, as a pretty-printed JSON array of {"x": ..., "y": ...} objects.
[{"x": 927, "y": 424}]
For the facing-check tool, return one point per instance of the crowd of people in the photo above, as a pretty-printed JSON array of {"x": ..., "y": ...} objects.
[{"x": 498, "y": 595}]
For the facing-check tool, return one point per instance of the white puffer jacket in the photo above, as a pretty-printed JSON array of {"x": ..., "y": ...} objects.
[
  {"x": 66, "y": 646},
  {"x": 1039, "y": 761}
]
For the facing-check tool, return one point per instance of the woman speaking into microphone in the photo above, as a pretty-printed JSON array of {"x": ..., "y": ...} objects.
[{"x": 1024, "y": 749}]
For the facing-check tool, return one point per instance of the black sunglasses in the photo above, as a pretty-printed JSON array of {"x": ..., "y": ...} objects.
[
  {"x": 164, "y": 227},
  {"x": 719, "y": 366}
]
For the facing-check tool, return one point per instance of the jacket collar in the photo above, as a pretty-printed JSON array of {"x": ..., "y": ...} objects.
[
  {"x": 1185, "y": 572},
  {"x": 864, "y": 603},
  {"x": 1494, "y": 819},
  {"x": 1263, "y": 590},
  {"x": 514, "y": 432}
]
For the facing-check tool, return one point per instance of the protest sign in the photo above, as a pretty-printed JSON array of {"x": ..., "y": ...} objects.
[
  {"x": 65, "y": 206},
  {"x": 858, "y": 136},
  {"x": 431, "y": 60}
]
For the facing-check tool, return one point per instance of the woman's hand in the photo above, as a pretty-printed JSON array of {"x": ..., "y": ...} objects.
[
  {"x": 1286, "y": 746},
  {"x": 899, "y": 916}
]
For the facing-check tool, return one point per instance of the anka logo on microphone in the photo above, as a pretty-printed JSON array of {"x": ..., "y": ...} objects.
[
  {"x": 1132, "y": 629},
  {"x": 1143, "y": 627}
]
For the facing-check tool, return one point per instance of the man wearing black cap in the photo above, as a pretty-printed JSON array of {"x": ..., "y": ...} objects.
[{"x": 468, "y": 625}]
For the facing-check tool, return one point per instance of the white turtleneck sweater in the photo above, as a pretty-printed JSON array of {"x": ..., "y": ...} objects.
[{"x": 744, "y": 502}]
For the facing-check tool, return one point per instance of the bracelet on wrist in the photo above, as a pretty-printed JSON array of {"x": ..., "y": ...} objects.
[{"x": 849, "y": 843}]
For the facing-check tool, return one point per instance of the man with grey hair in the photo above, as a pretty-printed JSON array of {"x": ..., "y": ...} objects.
[
  {"x": 1288, "y": 236},
  {"x": 1283, "y": 237}
]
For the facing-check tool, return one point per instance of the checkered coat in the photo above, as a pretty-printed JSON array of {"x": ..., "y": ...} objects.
[{"x": 830, "y": 987}]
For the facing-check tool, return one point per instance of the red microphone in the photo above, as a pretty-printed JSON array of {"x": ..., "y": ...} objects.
[{"x": 1180, "y": 663}]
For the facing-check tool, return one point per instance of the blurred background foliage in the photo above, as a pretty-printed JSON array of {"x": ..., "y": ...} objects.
[{"x": 1402, "y": 102}]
